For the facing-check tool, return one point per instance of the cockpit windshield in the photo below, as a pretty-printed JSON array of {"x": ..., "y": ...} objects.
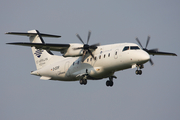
[
  {"x": 126, "y": 48},
  {"x": 131, "y": 48},
  {"x": 134, "y": 48}
]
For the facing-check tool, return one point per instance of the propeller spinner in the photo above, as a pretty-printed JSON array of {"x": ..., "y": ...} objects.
[{"x": 86, "y": 48}]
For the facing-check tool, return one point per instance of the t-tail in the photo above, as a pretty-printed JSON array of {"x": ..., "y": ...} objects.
[{"x": 41, "y": 56}]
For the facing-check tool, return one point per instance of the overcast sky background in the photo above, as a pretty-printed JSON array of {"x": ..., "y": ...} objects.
[{"x": 155, "y": 95}]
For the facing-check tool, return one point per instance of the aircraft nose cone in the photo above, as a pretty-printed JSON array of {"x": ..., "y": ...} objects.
[{"x": 145, "y": 57}]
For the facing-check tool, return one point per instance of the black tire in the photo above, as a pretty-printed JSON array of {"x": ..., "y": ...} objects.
[
  {"x": 81, "y": 82},
  {"x": 111, "y": 83},
  {"x": 85, "y": 82},
  {"x": 107, "y": 83},
  {"x": 140, "y": 72},
  {"x": 137, "y": 72}
]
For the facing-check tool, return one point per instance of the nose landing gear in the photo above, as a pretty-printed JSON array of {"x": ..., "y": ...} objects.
[{"x": 139, "y": 72}]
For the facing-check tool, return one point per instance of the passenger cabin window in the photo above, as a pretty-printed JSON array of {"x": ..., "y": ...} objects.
[
  {"x": 126, "y": 48},
  {"x": 100, "y": 57},
  {"x": 134, "y": 48},
  {"x": 109, "y": 55},
  {"x": 116, "y": 53},
  {"x": 104, "y": 55},
  {"x": 91, "y": 59},
  {"x": 94, "y": 58},
  {"x": 88, "y": 60}
]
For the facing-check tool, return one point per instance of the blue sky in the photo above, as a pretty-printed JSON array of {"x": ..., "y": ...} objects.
[{"x": 153, "y": 95}]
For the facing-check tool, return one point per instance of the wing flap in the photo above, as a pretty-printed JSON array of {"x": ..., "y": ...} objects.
[{"x": 46, "y": 46}]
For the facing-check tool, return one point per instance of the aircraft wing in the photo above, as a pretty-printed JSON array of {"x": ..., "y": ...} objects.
[
  {"x": 46, "y": 46},
  {"x": 161, "y": 53}
]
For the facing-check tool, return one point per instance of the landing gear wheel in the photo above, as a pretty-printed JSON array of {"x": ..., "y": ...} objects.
[
  {"x": 83, "y": 82},
  {"x": 138, "y": 72},
  {"x": 109, "y": 83}
]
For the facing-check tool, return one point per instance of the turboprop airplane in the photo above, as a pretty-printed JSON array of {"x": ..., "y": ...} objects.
[{"x": 82, "y": 62}]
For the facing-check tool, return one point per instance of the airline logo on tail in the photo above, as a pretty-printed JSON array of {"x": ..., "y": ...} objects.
[{"x": 38, "y": 53}]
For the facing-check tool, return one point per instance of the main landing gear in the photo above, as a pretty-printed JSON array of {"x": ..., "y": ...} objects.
[
  {"x": 83, "y": 81},
  {"x": 139, "y": 72},
  {"x": 110, "y": 83}
]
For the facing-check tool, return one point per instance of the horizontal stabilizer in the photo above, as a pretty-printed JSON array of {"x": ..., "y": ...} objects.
[
  {"x": 46, "y": 46},
  {"x": 32, "y": 34}
]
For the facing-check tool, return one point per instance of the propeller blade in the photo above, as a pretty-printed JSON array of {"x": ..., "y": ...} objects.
[
  {"x": 151, "y": 62},
  {"x": 79, "y": 38},
  {"x": 94, "y": 46},
  {"x": 139, "y": 42},
  {"x": 148, "y": 38},
  {"x": 89, "y": 34},
  {"x": 86, "y": 48},
  {"x": 78, "y": 48},
  {"x": 91, "y": 54},
  {"x": 97, "y": 44},
  {"x": 154, "y": 50},
  {"x": 84, "y": 53}
]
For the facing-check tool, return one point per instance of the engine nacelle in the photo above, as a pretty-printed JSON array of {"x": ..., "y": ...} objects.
[{"x": 70, "y": 52}]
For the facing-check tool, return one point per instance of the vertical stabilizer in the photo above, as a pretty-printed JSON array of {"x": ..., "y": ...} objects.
[{"x": 41, "y": 56}]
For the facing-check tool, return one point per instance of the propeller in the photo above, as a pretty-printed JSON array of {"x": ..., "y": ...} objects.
[
  {"x": 86, "y": 48},
  {"x": 148, "y": 50}
]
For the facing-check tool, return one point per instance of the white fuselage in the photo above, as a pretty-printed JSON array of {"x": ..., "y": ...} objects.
[{"x": 108, "y": 59}]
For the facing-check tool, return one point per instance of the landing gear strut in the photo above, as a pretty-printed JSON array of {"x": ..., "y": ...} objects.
[{"x": 110, "y": 81}]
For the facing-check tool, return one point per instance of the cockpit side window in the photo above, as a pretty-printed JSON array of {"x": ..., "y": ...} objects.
[
  {"x": 134, "y": 48},
  {"x": 126, "y": 48}
]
